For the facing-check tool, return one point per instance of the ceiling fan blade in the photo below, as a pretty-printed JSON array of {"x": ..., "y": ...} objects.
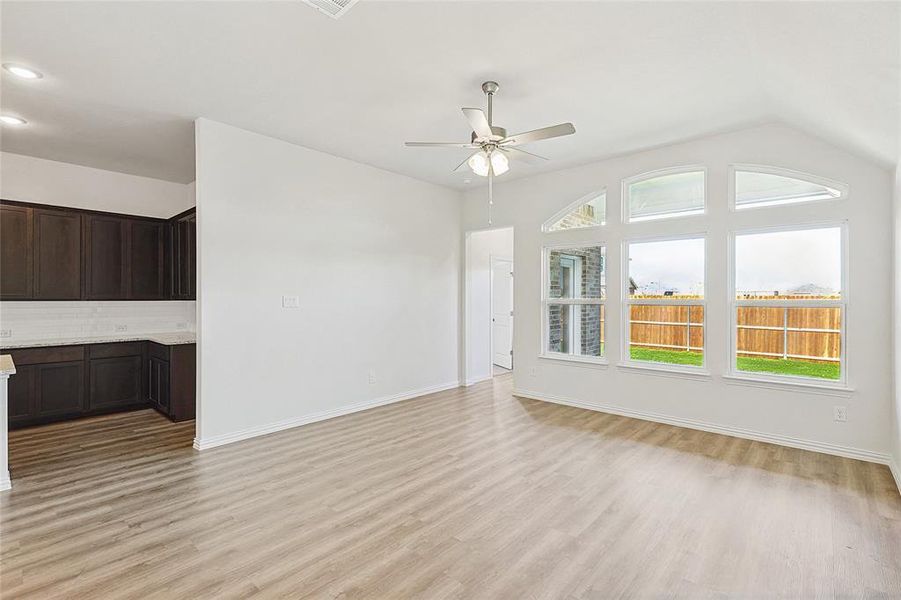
[
  {"x": 539, "y": 134},
  {"x": 465, "y": 160},
  {"x": 441, "y": 144},
  {"x": 479, "y": 123},
  {"x": 527, "y": 157}
]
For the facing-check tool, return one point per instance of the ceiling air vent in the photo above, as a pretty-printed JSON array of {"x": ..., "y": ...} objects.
[{"x": 333, "y": 8}]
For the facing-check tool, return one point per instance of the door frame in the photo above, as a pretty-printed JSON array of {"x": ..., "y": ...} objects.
[
  {"x": 492, "y": 260},
  {"x": 466, "y": 348}
]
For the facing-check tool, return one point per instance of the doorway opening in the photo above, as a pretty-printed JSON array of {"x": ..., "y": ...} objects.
[{"x": 489, "y": 304}]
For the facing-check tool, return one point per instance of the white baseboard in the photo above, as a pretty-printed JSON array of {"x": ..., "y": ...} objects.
[
  {"x": 244, "y": 434},
  {"x": 896, "y": 473},
  {"x": 781, "y": 440},
  {"x": 470, "y": 382},
  {"x": 5, "y": 482}
]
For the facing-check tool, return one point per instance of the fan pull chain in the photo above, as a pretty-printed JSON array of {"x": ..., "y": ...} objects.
[{"x": 490, "y": 192}]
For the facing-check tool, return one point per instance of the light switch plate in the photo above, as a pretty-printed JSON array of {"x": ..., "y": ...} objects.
[
  {"x": 120, "y": 328},
  {"x": 290, "y": 301},
  {"x": 5, "y": 333}
]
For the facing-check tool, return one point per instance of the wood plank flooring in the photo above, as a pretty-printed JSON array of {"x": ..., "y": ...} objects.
[{"x": 462, "y": 494}]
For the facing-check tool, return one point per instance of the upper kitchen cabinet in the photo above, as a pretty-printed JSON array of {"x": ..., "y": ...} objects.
[
  {"x": 16, "y": 253},
  {"x": 105, "y": 260},
  {"x": 52, "y": 253},
  {"x": 184, "y": 256},
  {"x": 146, "y": 260},
  {"x": 57, "y": 255}
]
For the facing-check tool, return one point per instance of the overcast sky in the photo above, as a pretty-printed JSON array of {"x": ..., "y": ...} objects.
[
  {"x": 778, "y": 261},
  {"x": 676, "y": 265},
  {"x": 785, "y": 260}
]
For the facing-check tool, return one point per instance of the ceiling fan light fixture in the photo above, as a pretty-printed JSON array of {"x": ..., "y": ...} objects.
[
  {"x": 500, "y": 164},
  {"x": 479, "y": 163}
]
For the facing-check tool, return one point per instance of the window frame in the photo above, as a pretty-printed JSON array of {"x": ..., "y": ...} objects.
[
  {"x": 733, "y": 303},
  {"x": 843, "y": 188},
  {"x": 546, "y": 226},
  {"x": 627, "y": 302},
  {"x": 626, "y": 211},
  {"x": 547, "y": 301}
]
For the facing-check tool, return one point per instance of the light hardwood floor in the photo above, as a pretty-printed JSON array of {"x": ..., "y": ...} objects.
[{"x": 462, "y": 494}]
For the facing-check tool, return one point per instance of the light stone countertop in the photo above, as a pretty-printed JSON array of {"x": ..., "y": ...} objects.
[
  {"x": 175, "y": 338},
  {"x": 6, "y": 365}
]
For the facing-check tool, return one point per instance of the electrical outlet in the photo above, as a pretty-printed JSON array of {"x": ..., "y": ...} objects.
[
  {"x": 533, "y": 372},
  {"x": 840, "y": 413},
  {"x": 181, "y": 326},
  {"x": 290, "y": 301},
  {"x": 5, "y": 333},
  {"x": 120, "y": 328},
  {"x": 371, "y": 378}
]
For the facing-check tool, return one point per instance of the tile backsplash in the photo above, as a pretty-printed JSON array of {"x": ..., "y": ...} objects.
[{"x": 44, "y": 320}]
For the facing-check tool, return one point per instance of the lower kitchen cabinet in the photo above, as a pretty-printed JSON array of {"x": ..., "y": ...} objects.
[
  {"x": 20, "y": 393},
  {"x": 158, "y": 383},
  {"x": 115, "y": 375},
  {"x": 48, "y": 385},
  {"x": 171, "y": 379},
  {"x": 59, "y": 389},
  {"x": 65, "y": 382}
]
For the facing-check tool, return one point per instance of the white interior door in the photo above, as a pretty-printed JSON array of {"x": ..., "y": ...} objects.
[{"x": 502, "y": 312}]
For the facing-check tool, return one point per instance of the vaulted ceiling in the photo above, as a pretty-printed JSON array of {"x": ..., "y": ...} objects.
[{"x": 123, "y": 81}]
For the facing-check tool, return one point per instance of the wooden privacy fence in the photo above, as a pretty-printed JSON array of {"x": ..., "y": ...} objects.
[{"x": 803, "y": 333}]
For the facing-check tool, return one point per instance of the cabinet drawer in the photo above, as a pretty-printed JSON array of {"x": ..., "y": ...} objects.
[
  {"x": 50, "y": 354},
  {"x": 115, "y": 349},
  {"x": 160, "y": 351}
]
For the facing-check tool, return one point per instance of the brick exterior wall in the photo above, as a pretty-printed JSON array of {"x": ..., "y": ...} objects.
[{"x": 590, "y": 285}]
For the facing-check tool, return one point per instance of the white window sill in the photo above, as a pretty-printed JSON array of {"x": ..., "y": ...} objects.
[
  {"x": 587, "y": 361},
  {"x": 813, "y": 387},
  {"x": 664, "y": 370}
]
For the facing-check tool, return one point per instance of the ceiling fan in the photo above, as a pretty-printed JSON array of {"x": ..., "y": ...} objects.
[{"x": 493, "y": 147}]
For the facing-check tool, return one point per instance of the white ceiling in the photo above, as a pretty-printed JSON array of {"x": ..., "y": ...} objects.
[{"x": 124, "y": 80}]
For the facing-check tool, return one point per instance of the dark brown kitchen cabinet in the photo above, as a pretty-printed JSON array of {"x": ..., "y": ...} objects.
[
  {"x": 59, "y": 389},
  {"x": 115, "y": 375},
  {"x": 158, "y": 384},
  {"x": 184, "y": 256},
  {"x": 172, "y": 379},
  {"x": 146, "y": 260},
  {"x": 16, "y": 252},
  {"x": 48, "y": 385},
  {"x": 46, "y": 392},
  {"x": 57, "y": 383},
  {"x": 20, "y": 393},
  {"x": 105, "y": 260},
  {"x": 57, "y": 255}
]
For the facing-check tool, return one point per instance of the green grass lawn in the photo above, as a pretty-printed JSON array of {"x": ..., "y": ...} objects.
[
  {"x": 779, "y": 366},
  {"x": 673, "y": 357},
  {"x": 798, "y": 368}
]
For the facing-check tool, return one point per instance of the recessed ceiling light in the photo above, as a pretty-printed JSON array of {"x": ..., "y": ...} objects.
[
  {"x": 11, "y": 120},
  {"x": 23, "y": 72}
]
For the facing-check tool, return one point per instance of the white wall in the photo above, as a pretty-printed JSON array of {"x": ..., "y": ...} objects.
[
  {"x": 35, "y": 321},
  {"x": 896, "y": 396},
  {"x": 29, "y": 179},
  {"x": 794, "y": 416},
  {"x": 480, "y": 247},
  {"x": 374, "y": 258}
]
